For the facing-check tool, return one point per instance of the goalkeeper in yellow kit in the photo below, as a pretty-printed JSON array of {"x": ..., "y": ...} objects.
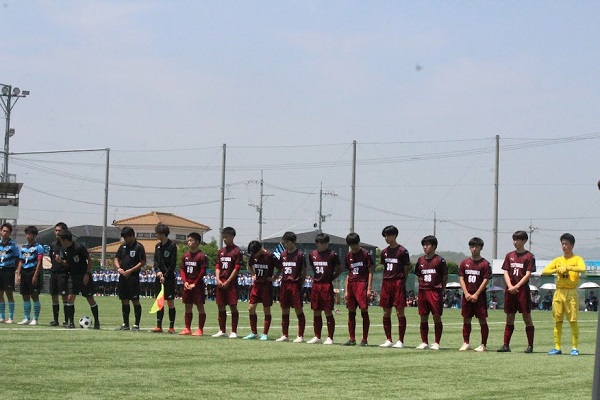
[{"x": 567, "y": 269}]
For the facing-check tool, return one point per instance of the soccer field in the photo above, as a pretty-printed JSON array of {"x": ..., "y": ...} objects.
[{"x": 49, "y": 363}]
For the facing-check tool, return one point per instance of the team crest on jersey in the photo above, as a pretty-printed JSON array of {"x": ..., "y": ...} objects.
[
  {"x": 131, "y": 253},
  {"x": 167, "y": 253},
  {"x": 76, "y": 259}
]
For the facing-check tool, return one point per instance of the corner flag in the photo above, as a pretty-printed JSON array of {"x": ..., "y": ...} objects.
[{"x": 159, "y": 303}]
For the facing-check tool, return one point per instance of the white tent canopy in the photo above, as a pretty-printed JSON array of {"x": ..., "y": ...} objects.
[
  {"x": 548, "y": 286},
  {"x": 589, "y": 285}
]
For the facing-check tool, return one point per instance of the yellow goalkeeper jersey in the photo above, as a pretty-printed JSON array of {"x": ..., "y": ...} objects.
[{"x": 569, "y": 280}]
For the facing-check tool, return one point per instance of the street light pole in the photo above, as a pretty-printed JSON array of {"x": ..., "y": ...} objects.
[{"x": 8, "y": 94}]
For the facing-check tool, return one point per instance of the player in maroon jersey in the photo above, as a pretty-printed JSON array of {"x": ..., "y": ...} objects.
[
  {"x": 518, "y": 266},
  {"x": 396, "y": 261},
  {"x": 474, "y": 274},
  {"x": 293, "y": 272},
  {"x": 193, "y": 268},
  {"x": 326, "y": 268},
  {"x": 432, "y": 271},
  {"x": 262, "y": 266},
  {"x": 358, "y": 287},
  {"x": 229, "y": 262}
]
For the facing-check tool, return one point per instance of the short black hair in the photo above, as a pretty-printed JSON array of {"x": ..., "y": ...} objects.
[
  {"x": 127, "y": 231},
  {"x": 196, "y": 236},
  {"x": 31, "y": 229},
  {"x": 389, "y": 230},
  {"x": 8, "y": 225},
  {"x": 229, "y": 231},
  {"x": 254, "y": 247},
  {"x": 62, "y": 226},
  {"x": 66, "y": 235},
  {"x": 352, "y": 238},
  {"x": 290, "y": 236},
  {"x": 322, "y": 238},
  {"x": 568, "y": 237},
  {"x": 432, "y": 240},
  {"x": 476, "y": 242},
  {"x": 520, "y": 235},
  {"x": 162, "y": 228}
]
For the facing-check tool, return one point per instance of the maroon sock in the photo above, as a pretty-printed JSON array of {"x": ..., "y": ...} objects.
[
  {"x": 529, "y": 330},
  {"x": 466, "y": 332},
  {"x": 387, "y": 327},
  {"x": 235, "y": 317},
  {"x": 508, "y": 331},
  {"x": 318, "y": 325},
  {"x": 330, "y": 326},
  {"x": 188, "y": 319},
  {"x": 267, "y": 324},
  {"x": 253, "y": 322},
  {"x": 301, "y": 324},
  {"x": 201, "y": 321},
  {"x": 439, "y": 328},
  {"x": 285, "y": 324},
  {"x": 366, "y": 324},
  {"x": 485, "y": 331},
  {"x": 222, "y": 320},
  {"x": 401, "y": 328},
  {"x": 351, "y": 325},
  {"x": 424, "y": 329}
]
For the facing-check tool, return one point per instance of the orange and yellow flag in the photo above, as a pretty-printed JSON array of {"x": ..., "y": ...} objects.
[{"x": 159, "y": 303}]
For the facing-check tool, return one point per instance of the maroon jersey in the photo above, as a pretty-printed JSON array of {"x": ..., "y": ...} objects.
[
  {"x": 474, "y": 272},
  {"x": 323, "y": 265},
  {"x": 263, "y": 265},
  {"x": 193, "y": 267},
  {"x": 394, "y": 260},
  {"x": 292, "y": 265},
  {"x": 358, "y": 265},
  {"x": 517, "y": 265},
  {"x": 431, "y": 272},
  {"x": 228, "y": 259}
]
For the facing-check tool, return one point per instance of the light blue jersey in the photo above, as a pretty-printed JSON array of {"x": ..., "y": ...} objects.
[
  {"x": 9, "y": 254},
  {"x": 30, "y": 254}
]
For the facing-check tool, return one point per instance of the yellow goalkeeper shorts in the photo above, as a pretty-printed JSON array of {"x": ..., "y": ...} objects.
[{"x": 565, "y": 302}]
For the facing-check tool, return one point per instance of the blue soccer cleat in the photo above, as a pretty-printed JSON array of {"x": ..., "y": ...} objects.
[{"x": 554, "y": 352}]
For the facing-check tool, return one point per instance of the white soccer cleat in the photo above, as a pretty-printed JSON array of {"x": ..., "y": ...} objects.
[
  {"x": 387, "y": 344},
  {"x": 233, "y": 335},
  {"x": 398, "y": 345},
  {"x": 283, "y": 339},
  {"x": 219, "y": 334},
  {"x": 314, "y": 340},
  {"x": 435, "y": 346},
  {"x": 24, "y": 322},
  {"x": 328, "y": 341},
  {"x": 9, "y": 321},
  {"x": 465, "y": 347},
  {"x": 299, "y": 339},
  {"x": 422, "y": 346},
  {"x": 33, "y": 322},
  {"x": 480, "y": 348}
]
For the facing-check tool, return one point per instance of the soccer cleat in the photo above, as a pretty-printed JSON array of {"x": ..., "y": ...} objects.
[
  {"x": 24, "y": 322},
  {"x": 65, "y": 324},
  {"x": 171, "y": 331},
  {"x": 314, "y": 340},
  {"x": 250, "y": 336},
  {"x": 97, "y": 325},
  {"x": 465, "y": 347},
  {"x": 233, "y": 335},
  {"x": 504, "y": 349},
  {"x": 528, "y": 349},
  {"x": 283, "y": 339},
  {"x": 574, "y": 352},
  {"x": 71, "y": 326},
  {"x": 264, "y": 337},
  {"x": 124, "y": 327},
  {"x": 398, "y": 345},
  {"x": 363, "y": 343},
  {"x": 349, "y": 343},
  {"x": 328, "y": 341},
  {"x": 387, "y": 344},
  {"x": 198, "y": 332},
  {"x": 480, "y": 348},
  {"x": 54, "y": 323},
  {"x": 435, "y": 346},
  {"x": 33, "y": 322},
  {"x": 554, "y": 352},
  {"x": 422, "y": 346},
  {"x": 135, "y": 328},
  {"x": 157, "y": 329},
  {"x": 219, "y": 334},
  {"x": 9, "y": 321},
  {"x": 186, "y": 332},
  {"x": 299, "y": 339}
]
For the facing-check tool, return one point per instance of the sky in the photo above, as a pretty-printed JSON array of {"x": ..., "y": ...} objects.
[{"x": 423, "y": 88}]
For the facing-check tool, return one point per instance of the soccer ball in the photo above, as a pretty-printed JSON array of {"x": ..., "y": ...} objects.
[{"x": 85, "y": 322}]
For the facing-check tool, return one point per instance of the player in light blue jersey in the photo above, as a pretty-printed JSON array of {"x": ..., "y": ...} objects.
[
  {"x": 30, "y": 275},
  {"x": 9, "y": 256}
]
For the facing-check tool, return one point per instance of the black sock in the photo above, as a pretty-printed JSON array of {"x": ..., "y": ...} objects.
[
  {"x": 172, "y": 313},
  {"x": 94, "y": 309},
  {"x": 137, "y": 309},
  {"x": 160, "y": 314},
  {"x": 55, "y": 310},
  {"x": 125, "y": 309}
]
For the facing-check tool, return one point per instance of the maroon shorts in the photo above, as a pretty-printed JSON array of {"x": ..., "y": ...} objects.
[
  {"x": 262, "y": 292},
  {"x": 321, "y": 297},
  {"x": 196, "y": 296},
  {"x": 227, "y": 297},
  {"x": 430, "y": 301},
  {"x": 520, "y": 302},
  {"x": 357, "y": 295},
  {"x": 477, "y": 309},
  {"x": 290, "y": 295},
  {"x": 393, "y": 294}
]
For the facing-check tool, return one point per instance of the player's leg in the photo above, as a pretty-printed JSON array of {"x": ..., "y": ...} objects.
[
  {"x": 253, "y": 321},
  {"x": 437, "y": 308},
  {"x": 572, "y": 312},
  {"x": 484, "y": 333},
  {"x": 267, "y": 321},
  {"x": 137, "y": 313},
  {"x": 201, "y": 319},
  {"x": 363, "y": 304},
  {"x": 2, "y": 305},
  {"x": 510, "y": 309},
  {"x": 424, "y": 328},
  {"x": 26, "y": 306},
  {"x": 94, "y": 309},
  {"x": 466, "y": 330},
  {"x": 387, "y": 326},
  {"x": 317, "y": 325},
  {"x": 188, "y": 314},
  {"x": 351, "y": 304},
  {"x": 301, "y": 320},
  {"x": 529, "y": 331},
  {"x": 172, "y": 314},
  {"x": 400, "y": 314},
  {"x": 285, "y": 320},
  {"x": 71, "y": 309},
  {"x": 10, "y": 287},
  {"x": 235, "y": 317}
]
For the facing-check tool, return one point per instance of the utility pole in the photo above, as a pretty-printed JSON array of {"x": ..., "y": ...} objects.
[
  {"x": 321, "y": 216},
  {"x": 531, "y": 230},
  {"x": 496, "y": 189},
  {"x": 434, "y": 223},
  {"x": 222, "y": 213},
  {"x": 259, "y": 207},
  {"x": 8, "y": 94}
]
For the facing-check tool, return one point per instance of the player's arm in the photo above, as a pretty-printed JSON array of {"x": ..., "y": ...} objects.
[
  {"x": 370, "y": 280},
  {"x": 444, "y": 276},
  {"x": 172, "y": 261},
  {"x": 523, "y": 280},
  {"x": 18, "y": 271},
  {"x": 88, "y": 270},
  {"x": 202, "y": 272},
  {"x": 346, "y": 287},
  {"x": 463, "y": 286},
  {"x": 39, "y": 266},
  {"x": 480, "y": 289},
  {"x": 509, "y": 285},
  {"x": 578, "y": 267},
  {"x": 550, "y": 268}
]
